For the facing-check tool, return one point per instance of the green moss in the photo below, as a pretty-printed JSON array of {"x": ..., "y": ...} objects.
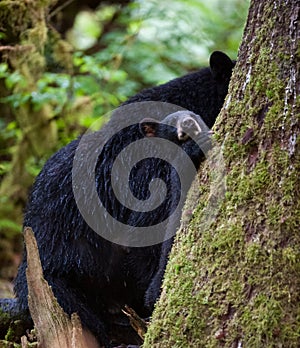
[
  {"x": 6, "y": 344},
  {"x": 237, "y": 281},
  {"x": 15, "y": 15},
  {"x": 4, "y": 318},
  {"x": 13, "y": 332},
  {"x": 10, "y": 335}
]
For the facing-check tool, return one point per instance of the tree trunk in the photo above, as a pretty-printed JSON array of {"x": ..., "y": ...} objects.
[
  {"x": 24, "y": 45},
  {"x": 236, "y": 283}
]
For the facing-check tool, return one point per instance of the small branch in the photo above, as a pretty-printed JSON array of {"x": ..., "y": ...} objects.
[
  {"x": 138, "y": 324},
  {"x": 17, "y": 48},
  {"x": 59, "y": 8}
]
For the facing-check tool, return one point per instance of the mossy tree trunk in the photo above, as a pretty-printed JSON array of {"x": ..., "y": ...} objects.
[
  {"x": 237, "y": 283},
  {"x": 23, "y": 48},
  {"x": 31, "y": 46}
]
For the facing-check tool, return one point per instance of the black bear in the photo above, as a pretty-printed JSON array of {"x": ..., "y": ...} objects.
[
  {"x": 96, "y": 276},
  {"x": 202, "y": 92}
]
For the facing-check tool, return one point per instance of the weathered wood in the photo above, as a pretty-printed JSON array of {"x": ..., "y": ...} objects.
[
  {"x": 138, "y": 324},
  {"x": 53, "y": 326}
]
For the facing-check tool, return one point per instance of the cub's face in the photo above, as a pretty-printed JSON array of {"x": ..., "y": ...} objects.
[
  {"x": 183, "y": 128},
  {"x": 187, "y": 127}
]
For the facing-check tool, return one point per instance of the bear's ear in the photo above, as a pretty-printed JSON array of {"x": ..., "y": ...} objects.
[
  {"x": 149, "y": 127},
  {"x": 221, "y": 65}
]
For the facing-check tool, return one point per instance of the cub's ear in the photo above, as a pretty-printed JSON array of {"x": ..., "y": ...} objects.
[
  {"x": 220, "y": 65},
  {"x": 149, "y": 127}
]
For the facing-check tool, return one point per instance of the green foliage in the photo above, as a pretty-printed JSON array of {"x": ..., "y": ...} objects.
[
  {"x": 142, "y": 44},
  {"x": 152, "y": 42}
]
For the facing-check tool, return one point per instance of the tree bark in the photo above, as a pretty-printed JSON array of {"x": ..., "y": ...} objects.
[{"x": 236, "y": 283}]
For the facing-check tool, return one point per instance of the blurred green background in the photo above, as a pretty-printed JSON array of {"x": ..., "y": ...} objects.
[{"x": 95, "y": 57}]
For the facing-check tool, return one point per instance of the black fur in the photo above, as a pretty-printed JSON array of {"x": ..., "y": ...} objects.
[
  {"x": 202, "y": 92},
  {"x": 88, "y": 274}
]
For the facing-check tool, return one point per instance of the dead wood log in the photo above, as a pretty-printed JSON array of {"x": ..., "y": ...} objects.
[{"x": 54, "y": 328}]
